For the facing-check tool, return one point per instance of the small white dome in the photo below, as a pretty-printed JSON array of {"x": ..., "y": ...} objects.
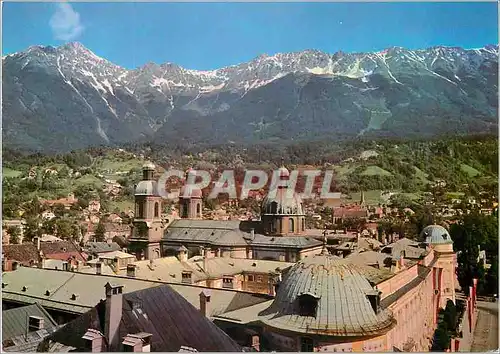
[{"x": 436, "y": 234}]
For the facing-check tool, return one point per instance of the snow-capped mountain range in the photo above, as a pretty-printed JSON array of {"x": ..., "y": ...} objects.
[{"x": 59, "y": 98}]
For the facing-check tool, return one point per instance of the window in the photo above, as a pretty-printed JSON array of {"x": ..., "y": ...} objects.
[
  {"x": 156, "y": 210},
  {"x": 306, "y": 344},
  {"x": 141, "y": 210},
  {"x": 303, "y": 224},
  {"x": 184, "y": 211},
  {"x": 227, "y": 283},
  {"x": 291, "y": 225},
  {"x": 308, "y": 304},
  {"x": 274, "y": 208},
  {"x": 250, "y": 278},
  {"x": 186, "y": 277},
  {"x": 259, "y": 278},
  {"x": 198, "y": 210}
]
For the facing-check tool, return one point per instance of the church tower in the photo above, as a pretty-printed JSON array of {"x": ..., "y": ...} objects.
[
  {"x": 282, "y": 211},
  {"x": 147, "y": 229},
  {"x": 190, "y": 201}
]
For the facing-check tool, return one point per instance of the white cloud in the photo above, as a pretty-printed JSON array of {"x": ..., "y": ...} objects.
[{"x": 65, "y": 23}]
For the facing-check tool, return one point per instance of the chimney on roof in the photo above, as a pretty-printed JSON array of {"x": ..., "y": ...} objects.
[
  {"x": 113, "y": 314},
  {"x": 131, "y": 270},
  {"x": 98, "y": 268},
  {"x": 182, "y": 254},
  {"x": 94, "y": 341},
  {"x": 205, "y": 302},
  {"x": 139, "y": 342}
]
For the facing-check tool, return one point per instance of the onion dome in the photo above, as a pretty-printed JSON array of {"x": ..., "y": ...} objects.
[
  {"x": 328, "y": 296},
  {"x": 436, "y": 234}
]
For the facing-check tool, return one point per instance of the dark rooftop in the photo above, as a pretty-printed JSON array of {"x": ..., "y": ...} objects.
[{"x": 172, "y": 321}]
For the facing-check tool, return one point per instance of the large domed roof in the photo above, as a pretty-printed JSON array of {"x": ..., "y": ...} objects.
[
  {"x": 436, "y": 234},
  {"x": 340, "y": 293}
]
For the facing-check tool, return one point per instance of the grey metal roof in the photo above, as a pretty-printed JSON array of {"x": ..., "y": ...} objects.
[
  {"x": 343, "y": 308},
  {"x": 63, "y": 284},
  {"x": 298, "y": 242},
  {"x": 228, "y": 233},
  {"x": 436, "y": 234},
  {"x": 171, "y": 319},
  {"x": 14, "y": 320},
  {"x": 100, "y": 247},
  {"x": 410, "y": 248}
]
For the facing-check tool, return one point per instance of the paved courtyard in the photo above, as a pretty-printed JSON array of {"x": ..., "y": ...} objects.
[{"x": 486, "y": 332}]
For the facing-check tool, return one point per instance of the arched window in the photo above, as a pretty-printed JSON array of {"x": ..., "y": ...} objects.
[
  {"x": 291, "y": 225},
  {"x": 274, "y": 208},
  {"x": 198, "y": 209},
  {"x": 141, "y": 210},
  {"x": 157, "y": 212}
]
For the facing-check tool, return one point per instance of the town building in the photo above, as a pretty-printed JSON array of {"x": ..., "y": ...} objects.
[{"x": 279, "y": 235}]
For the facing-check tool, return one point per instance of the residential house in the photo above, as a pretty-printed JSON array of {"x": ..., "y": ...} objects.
[
  {"x": 94, "y": 206},
  {"x": 25, "y": 254},
  {"x": 96, "y": 249},
  {"x": 67, "y": 202}
]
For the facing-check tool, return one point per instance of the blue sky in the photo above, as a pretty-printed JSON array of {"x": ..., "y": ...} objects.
[{"x": 211, "y": 35}]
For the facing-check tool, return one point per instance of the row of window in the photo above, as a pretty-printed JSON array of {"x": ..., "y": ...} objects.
[
  {"x": 140, "y": 209},
  {"x": 291, "y": 226}
]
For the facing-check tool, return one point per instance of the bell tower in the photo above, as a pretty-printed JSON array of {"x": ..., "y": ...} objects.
[
  {"x": 190, "y": 200},
  {"x": 147, "y": 229}
]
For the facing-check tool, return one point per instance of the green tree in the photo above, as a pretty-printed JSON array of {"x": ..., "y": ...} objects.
[
  {"x": 32, "y": 228},
  {"x": 63, "y": 229},
  {"x": 14, "y": 234},
  {"x": 472, "y": 231},
  {"x": 442, "y": 338},
  {"x": 100, "y": 232},
  {"x": 49, "y": 226},
  {"x": 450, "y": 316},
  {"x": 400, "y": 201},
  {"x": 491, "y": 279}
]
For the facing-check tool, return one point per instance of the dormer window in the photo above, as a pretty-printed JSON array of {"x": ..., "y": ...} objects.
[
  {"x": 308, "y": 304},
  {"x": 227, "y": 282},
  {"x": 187, "y": 277}
]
